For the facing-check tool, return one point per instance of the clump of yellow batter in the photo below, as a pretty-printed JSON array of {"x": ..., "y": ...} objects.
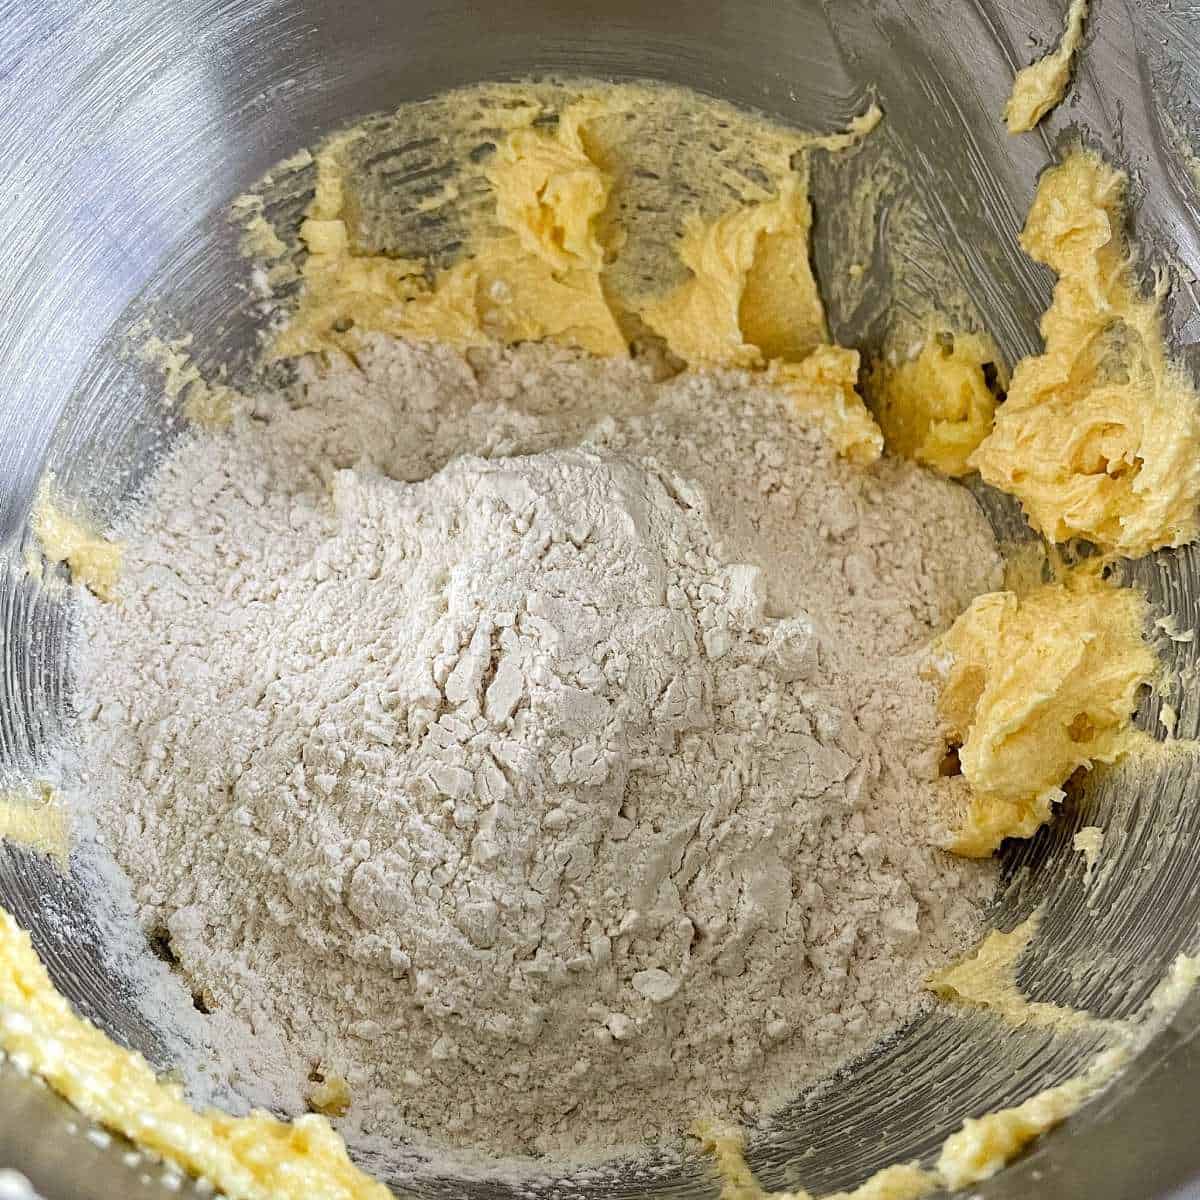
[
  {"x": 937, "y": 406},
  {"x": 93, "y": 561},
  {"x": 550, "y": 193},
  {"x": 1040, "y": 86},
  {"x": 823, "y": 388},
  {"x": 752, "y": 295},
  {"x": 751, "y": 300},
  {"x": 539, "y": 282},
  {"x": 252, "y": 1158},
  {"x": 1035, "y": 688},
  {"x": 331, "y": 1096},
  {"x": 1099, "y": 437}
]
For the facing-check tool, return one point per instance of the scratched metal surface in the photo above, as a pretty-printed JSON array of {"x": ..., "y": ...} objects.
[{"x": 128, "y": 125}]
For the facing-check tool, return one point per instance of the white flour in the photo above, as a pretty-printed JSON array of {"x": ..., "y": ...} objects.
[{"x": 537, "y": 746}]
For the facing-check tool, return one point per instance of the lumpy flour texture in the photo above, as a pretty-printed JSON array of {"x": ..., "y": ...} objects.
[{"x": 537, "y": 745}]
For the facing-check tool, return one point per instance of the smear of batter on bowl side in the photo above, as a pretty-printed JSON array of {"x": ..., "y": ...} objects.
[
  {"x": 93, "y": 560},
  {"x": 1040, "y": 86},
  {"x": 505, "y": 290},
  {"x": 252, "y": 1158},
  {"x": 987, "y": 979},
  {"x": 36, "y": 816},
  {"x": 976, "y": 1152},
  {"x": 209, "y": 405},
  {"x": 1089, "y": 841}
]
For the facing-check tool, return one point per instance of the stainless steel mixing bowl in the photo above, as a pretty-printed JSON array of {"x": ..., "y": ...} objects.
[{"x": 125, "y": 128}]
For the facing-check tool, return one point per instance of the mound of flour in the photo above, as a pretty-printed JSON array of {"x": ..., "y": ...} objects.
[{"x": 536, "y": 746}]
